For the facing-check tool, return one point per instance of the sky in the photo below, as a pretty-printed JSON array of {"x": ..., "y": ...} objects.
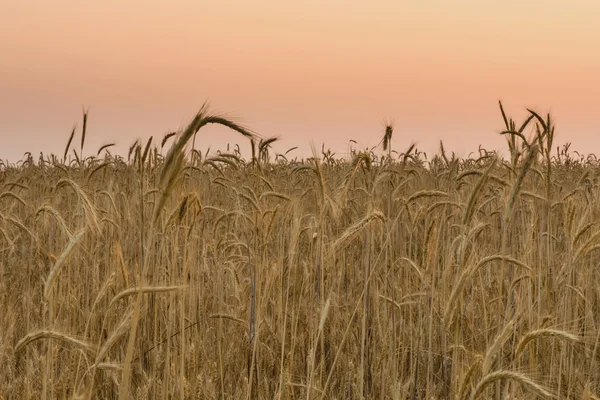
[{"x": 305, "y": 71}]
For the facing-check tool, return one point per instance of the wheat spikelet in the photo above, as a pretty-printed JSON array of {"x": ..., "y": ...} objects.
[
  {"x": 116, "y": 333},
  {"x": 10, "y": 185},
  {"x": 124, "y": 273},
  {"x": 20, "y": 225},
  {"x": 426, "y": 193},
  {"x": 355, "y": 229},
  {"x": 109, "y": 367},
  {"x": 465, "y": 276},
  {"x": 6, "y": 237},
  {"x": 14, "y": 196},
  {"x": 229, "y": 317},
  {"x": 466, "y": 381},
  {"x": 588, "y": 394},
  {"x": 251, "y": 200},
  {"x": 105, "y": 286},
  {"x": 490, "y": 354},
  {"x": 104, "y": 147},
  {"x": 581, "y": 231},
  {"x": 518, "y": 182},
  {"x": 526, "y": 383},
  {"x": 266, "y": 181},
  {"x": 98, "y": 168},
  {"x": 69, "y": 144},
  {"x": 89, "y": 209},
  {"x": 274, "y": 194},
  {"x": 396, "y": 304},
  {"x": 61, "y": 222},
  {"x": 444, "y": 203},
  {"x": 47, "y": 334},
  {"x": 55, "y": 270},
  {"x": 543, "y": 333},
  {"x": 586, "y": 247},
  {"x": 144, "y": 290},
  {"x": 83, "y": 130},
  {"x": 414, "y": 266},
  {"x": 469, "y": 210},
  {"x": 532, "y": 195},
  {"x": 361, "y": 159},
  {"x": 146, "y": 150},
  {"x": 110, "y": 222},
  {"x": 225, "y": 160},
  {"x": 479, "y": 173},
  {"x": 166, "y": 138}
]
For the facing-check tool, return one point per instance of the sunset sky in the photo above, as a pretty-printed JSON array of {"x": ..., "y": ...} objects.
[{"x": 320, "y": 71}]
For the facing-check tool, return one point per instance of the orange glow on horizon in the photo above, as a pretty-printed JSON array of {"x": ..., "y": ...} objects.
[{"x": 310, "y": 71}]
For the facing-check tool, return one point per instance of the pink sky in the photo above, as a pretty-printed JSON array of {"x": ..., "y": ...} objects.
[{"x": 322, "y": 71}]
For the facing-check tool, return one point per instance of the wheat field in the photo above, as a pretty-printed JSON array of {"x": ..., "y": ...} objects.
[{"x": 176, "y": 274}]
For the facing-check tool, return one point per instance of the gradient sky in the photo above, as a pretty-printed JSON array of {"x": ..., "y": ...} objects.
[{"x": 322, "y": 71}]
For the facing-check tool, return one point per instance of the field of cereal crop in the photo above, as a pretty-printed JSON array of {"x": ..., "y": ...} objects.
[{"x": 173, "y": 273}]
